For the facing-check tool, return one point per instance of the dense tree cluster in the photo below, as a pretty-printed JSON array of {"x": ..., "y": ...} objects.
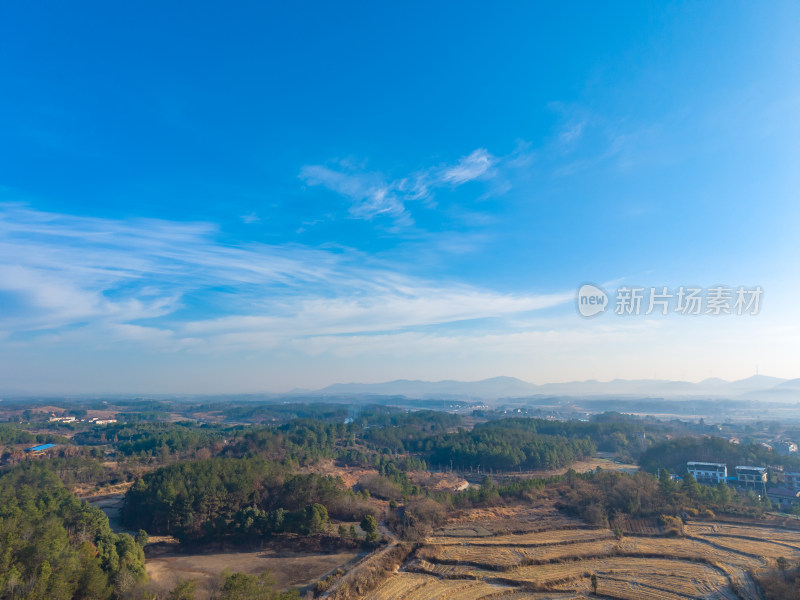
[
  {"x": 277, "y": 413},
  {"x": 303, "y": 441},
  {"x": 501, "y": 447},
  {"x": 609, "y": 431},
  {"x": 236, "y": 499},
  {"x": 397, "y": 432},
  {"x": 155, "y": 439},
  {"x": 11, "y": 434},
  {"x": 56, "y": 547},
  {"x": 74, "y": 466},
  {"x": 602, "y": 496}
]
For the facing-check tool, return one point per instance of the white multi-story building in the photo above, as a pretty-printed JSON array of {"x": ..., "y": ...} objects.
[
  {"x": 62, "y": 419},
  {"x": 756, "y": 476},
  {"x": 708, "y": 471}
]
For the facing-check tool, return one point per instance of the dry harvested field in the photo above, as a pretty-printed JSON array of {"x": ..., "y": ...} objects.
[
  {"x": 712, "y": 530},
  {"x": 538, "y": 538},
  {"x": 745, "y": 553},
  {"x": 412, "y": 586},
  {"x": 498, "y": 520},
  {"x": 713, "y": 561},
  {"x": 289, "y": 569}
]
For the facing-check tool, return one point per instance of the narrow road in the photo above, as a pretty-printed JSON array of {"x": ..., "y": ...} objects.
[{"x": 393, "y": 540}]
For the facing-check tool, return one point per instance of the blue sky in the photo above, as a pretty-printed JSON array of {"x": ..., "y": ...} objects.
[{"x": 261, "y": 197}]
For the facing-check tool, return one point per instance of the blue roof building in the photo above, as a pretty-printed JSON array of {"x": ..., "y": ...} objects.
[{"x": 40, "y": 448}]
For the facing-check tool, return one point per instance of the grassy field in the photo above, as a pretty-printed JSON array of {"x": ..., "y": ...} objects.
[
  {"x": 712, "y": 560},
  {"x": 289, "y": 569}
]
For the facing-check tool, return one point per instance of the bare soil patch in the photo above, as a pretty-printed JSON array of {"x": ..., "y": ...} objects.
[
  {"x": 350, "y": 475},
  {"x": 439, "y": 482}
]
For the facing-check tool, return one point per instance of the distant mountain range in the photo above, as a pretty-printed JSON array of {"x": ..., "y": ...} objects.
[{"x": 757, "y": 387}]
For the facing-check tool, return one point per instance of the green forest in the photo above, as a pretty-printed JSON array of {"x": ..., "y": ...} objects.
[
  {"x": 56, "y": 547},
  {"x": 500, "y": 448},
  {"x": 237, "y": 499}
]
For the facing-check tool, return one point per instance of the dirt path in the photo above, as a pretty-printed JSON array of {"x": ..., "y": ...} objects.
[
  {"x": 111, "y": 504},
  {"x": 353, "y": 571}
]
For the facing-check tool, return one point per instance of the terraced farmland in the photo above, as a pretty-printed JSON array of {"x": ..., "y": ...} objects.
[
  {"x": 539, "y": 538},
  {"x": 713, "y": 561},
  {"x": 410, "y": 586},
  {"x": 745, "y": 532}
]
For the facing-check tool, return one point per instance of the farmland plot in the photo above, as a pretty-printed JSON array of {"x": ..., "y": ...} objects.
[
  {"x": 398, "y": 585},
  {"x": 746, "y": 532},
  {"x": 752, "y": 547},
  {"x": 539, "y": 538},
  {"x": 713, "y": 562},
  {"x": 504, "y": 557}
]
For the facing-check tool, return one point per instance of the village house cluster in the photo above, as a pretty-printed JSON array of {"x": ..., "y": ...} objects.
[
  {"x": 784, "y": 493},
  {"x": 71, "y": 419}
]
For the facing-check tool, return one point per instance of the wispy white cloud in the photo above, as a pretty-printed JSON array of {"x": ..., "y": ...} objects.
[
  {"x": 586, "y": 139},
  {"x": 572, "y": 132},
  {"x": 474, "y": 166},
  {"x": 555, "y": 337},
  {"x": 583, "y": 139},
  {"x": 132, "y": 280},
  {"x": 575, "y": 121},
  {"x": 403, "y": 305},
  {"x": 370, "y": 195},
  {"x": 375, "y": 194}
]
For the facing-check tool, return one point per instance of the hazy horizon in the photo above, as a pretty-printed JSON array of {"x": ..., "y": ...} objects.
[{"x": 715, "y": 386}]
